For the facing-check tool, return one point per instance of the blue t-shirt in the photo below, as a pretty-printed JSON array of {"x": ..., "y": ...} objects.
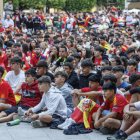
[{"x": 123, "y": 85}]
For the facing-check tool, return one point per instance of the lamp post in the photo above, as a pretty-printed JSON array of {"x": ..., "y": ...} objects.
[{"x": 1, "y": 8}]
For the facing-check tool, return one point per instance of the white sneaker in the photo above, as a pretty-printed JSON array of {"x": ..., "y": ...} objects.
[
  {"x": 22, "y": 118},
  {"x": 38, "y": 124},
  {"x": 20, "y": 111},
  {"x": 71, "y": 121},
  {"x": 63, "y": 124}
]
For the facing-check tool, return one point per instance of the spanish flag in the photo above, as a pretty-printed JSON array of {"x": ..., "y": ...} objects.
[
  {"x": 106, "y": 46},
  {"x": 87, "y": 20},
  {"x": 84, "y": 111}
]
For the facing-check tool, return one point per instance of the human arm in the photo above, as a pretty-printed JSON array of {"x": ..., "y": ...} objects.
[
  {"x": 26, "y": 113},
  {"x": 53, "y": 68},
  {"x": 18, "y": 88}
]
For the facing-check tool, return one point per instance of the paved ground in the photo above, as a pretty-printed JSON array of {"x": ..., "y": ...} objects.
[{"x": 24, "y": 131}]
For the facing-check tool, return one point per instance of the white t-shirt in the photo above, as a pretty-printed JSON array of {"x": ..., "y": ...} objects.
[
  {"x": 137, "y": 105},
  {"x": 69, "y": 22},
  {"x": 13, "y": 79}
]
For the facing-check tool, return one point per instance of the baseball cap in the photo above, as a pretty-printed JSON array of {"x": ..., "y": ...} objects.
[
  {"x": 10, "y": 25},
  {"x": 16, "y": 8},
  {"x": 1, "y": 23}
]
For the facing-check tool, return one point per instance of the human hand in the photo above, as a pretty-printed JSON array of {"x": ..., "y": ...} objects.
[
  {"x": 26, "y": 114},
  {"x": 34, "y": 117},
  {"x": 126, "y": 116},
  {"x": 97, "y": 124}
]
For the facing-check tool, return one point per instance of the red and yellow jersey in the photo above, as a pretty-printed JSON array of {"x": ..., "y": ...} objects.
[{"x": 9, "y": 30}]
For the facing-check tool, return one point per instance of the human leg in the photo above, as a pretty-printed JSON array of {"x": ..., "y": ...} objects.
[{"x": 4, "y": 106}]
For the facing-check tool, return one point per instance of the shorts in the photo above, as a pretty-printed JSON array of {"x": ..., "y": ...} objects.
[{"x": 14, "y": 109}]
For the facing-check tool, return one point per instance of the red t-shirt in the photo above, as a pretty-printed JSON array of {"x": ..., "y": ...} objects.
[
  {"x": 115, "y": 20},
  {"x": 64, "y": 20},
  {"x": 34, "y": 60},
  {"x": 100, "y": 98},
  {"x": 27, "y": 66},
  {"x": 97, "y": 63},
  {"x": 128, "y": 74},
  {"x": 6, "y": 93},
  {"x": 117, "y": 105},
  {"x": 2, "y": 30},
  {"x": 7, "y": 64}
]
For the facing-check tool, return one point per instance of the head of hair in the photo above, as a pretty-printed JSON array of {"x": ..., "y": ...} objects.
[
  {"x": 44, "y": 79},
  {"x": 132, "y": 62},
  {"x": 32, "y": 72},
  {"x": 102, "y": 37},
  {"x": 37, "y": 46},
  {"x": 19, "y": 53},
  {"x": 63, "y": 74},
  {"x": 69, "y": 59},
  {"x": 68, "y": 64},
  {"x": 136, "y": 57},
  {"x": 100, "y": 49},
  {"x": 42, "y": 63},
  {"x": 110, "y": 77},
  {"x": 64, "y": 48},
  {"x": 118, "y": 68},
  {"x": 87, "y": 63},
  {"x": 109, "y": 86},
  {"x": 124, "y": 60},
  {"x": 88, "y": 53},
  {"x": 16, "y": 44},
  {"x": 134, "y": 77},
  {"x": 44, "y": 45},
  {"x": 130, "y": 50},
  {"x": 76, "y": 55},
  {"x": 2, "y": 70},
  {"x": 16, "y": 59},
  {"x": 109, "y": 68},
  {"x": 25, "y": 48},
  {"x": 106, "y": 61},
  {"x": 94, "y": 78},
  {"x": 118, "y": 60}
]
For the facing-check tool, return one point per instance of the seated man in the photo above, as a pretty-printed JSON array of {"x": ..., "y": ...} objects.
[
  {"x": 7, "y": 98},
  {"x": 115, "y": 103},
  {"x": 118, "y": 71},
  {"x": 31, "y": 97},
  {"x": 16, "y": 77},
  {"x": 65, "y": 88},
  {"x": 42, "y": 69},
  {"x": 86, "y": 107},
  {"x": 134, "y": 80},
  {"x": 131, "y": 113},
  {"x": 73, "y": 79},
  {"x": 38, "y": 56},
  {"x": 52, "y": 100}
]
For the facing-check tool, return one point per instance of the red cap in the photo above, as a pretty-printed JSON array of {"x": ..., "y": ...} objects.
[
  {"x": 38, "y": 11},
  {"x": 1, "y": 23},
  {"x": 10, "y": 25}
]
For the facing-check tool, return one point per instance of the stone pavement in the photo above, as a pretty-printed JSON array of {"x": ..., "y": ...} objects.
[{"x": 24, "y": 131}]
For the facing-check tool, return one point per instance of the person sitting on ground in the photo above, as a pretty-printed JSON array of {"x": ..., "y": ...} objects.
[
  {"x": 132, "y": 66},
  {"x": 7, "y": 98},
  {"x": 131, "y": 113},
  {"x": 38, "y": 56},
  {"x": 118, "y": 71},
  {"x": 42, "y": 69},
  {"x": 65, "y": 88},
  {"x": 115, "y": 103},
  {"x": 16, "y": 77},
  {"x": 79, "y": 114},
  {"x": 73, "y": 79},
  {"x": 52, "y": 100},
  {"x": 31, "y": 96}
]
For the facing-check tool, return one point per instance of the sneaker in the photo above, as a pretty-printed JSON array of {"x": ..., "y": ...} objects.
[
  {"x": 106, "y": 130},
  {"x": 70, "y": 122},
  {"x": 20, "y": 111},
  {"x": 117, "y": 133},
  {"x": 22, "y": 118},
  {"x": 121, "y": 136},
  {"x": 63, "y": 124},
  {"x": 38, "y": 124}
]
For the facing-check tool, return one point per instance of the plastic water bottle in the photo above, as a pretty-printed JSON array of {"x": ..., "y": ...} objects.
[{"x": 15, "y": 122}]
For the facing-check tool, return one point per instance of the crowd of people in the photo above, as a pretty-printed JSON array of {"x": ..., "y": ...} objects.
[{"x": 71, "y": 71}]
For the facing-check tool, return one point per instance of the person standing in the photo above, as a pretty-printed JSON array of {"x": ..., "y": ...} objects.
[
  {"x": 8, "y": 7},
  {"x": 17, "y": 17}
]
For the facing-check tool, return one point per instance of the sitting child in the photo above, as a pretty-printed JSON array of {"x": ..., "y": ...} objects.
[
  {"x": 53, "y": 101},
  {"x": 31, "y": 97},
  {"x": 115, "y": 103},
  {"x": 131, "y": 113}
]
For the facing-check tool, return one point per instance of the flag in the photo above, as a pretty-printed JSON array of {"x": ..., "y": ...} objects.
[{"x": 84, "y": 111}]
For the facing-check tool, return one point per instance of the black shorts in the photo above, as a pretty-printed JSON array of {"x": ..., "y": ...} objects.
[{"x": 15, "y": 109}]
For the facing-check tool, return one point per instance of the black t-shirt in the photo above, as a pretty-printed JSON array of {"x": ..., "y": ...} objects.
[
  {"x": 84, "y": 82},
  {"x": 60, "y": 61},
  {"x": 91, "y": 20},
  {"x": 47, "y": 74}
]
